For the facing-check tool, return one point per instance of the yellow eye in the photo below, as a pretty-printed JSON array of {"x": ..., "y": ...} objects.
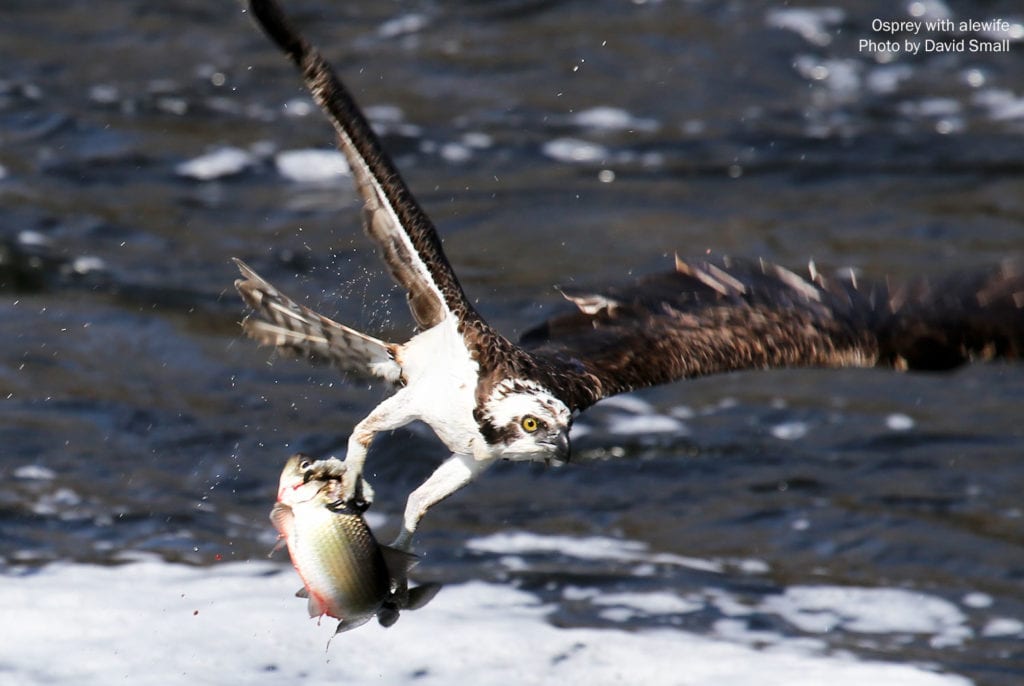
[{"x": 529, "y": 424}]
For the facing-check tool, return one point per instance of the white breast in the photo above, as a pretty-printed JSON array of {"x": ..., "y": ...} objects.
[{"x": 441, "y": 379}]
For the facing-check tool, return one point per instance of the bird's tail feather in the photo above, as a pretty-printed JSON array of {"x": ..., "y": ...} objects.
[{"x": 294, "y": 329}]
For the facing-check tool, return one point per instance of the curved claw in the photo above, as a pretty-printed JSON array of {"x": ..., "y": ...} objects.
[
  {"x": 362, "y": 496},
  {"x": 353, "y": 495},
  {"x": 328, "y": 469}
]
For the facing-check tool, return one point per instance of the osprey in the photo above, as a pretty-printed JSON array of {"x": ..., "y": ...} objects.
[{"x": 488, "y": 398}]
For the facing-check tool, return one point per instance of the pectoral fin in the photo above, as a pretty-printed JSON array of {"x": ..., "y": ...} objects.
[
  {"x": 282, "y": 518},
  {"x": 281, "y": 543}
]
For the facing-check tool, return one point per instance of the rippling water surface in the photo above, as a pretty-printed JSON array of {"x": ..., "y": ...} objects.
[{"x": 144, "y": 144}]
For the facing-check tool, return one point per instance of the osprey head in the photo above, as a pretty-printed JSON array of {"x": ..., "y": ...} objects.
[{"x": 522, "y": 420}]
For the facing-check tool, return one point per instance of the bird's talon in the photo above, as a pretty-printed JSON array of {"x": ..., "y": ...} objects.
[
  {"x": 326, "y": 469},
  {"x": 362, "y": 496}
]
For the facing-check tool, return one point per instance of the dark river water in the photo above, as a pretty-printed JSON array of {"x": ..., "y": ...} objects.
[{"x": 142, "y": 145}]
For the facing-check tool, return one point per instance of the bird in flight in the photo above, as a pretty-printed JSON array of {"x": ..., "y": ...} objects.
[{"x": 489, "y": 398}]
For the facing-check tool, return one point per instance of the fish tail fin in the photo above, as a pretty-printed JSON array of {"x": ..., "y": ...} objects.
[
  {"x": 421, "y": 595},
  {"x": 281, "y": 517},
  {"x": 387, "y": 615}
]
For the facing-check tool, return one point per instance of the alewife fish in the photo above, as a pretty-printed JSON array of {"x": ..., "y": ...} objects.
[{"x": 345, "y": 573}]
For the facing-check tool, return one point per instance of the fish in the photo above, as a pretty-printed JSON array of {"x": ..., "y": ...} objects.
[{"x": 346, "y": 574}]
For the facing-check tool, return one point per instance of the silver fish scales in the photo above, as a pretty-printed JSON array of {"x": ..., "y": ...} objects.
[{"x": 346, "y": 573}]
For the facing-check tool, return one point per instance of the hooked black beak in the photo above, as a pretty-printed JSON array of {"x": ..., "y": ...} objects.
[{"x": 562, "y": 447}]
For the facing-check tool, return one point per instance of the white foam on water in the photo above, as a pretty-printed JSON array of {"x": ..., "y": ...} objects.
[
  {"x": 575, "y": 150},
  {"x": 1012, "y": 30},
  {"x": 977, "y": 599},
  {"x": 631, "y": 415},
  {"x": 104, "y": 93},
  {"x": 87, "y": 264},
  {"x": 842, "y": 77},
  {"x": 605, "y": 118},
  {"x": 403, "y": 25},
  {"x": 384, "y": 114},
  {"x": 455, "y": 152},
  {"x": 1002, "y": 105},
  {"x": 153, "y": 623},
  {"x": 477, "y": 140},
  {"x": 790, "y": 431},
  {"x": 216, "y": 164},
  {"x": 1003, "y": 627},
  {"x": 633, "y": 425},
  {"x": 59, "y": 503},
  {"x": 34, "y": 472},
  {"x": 682, "y": 412},
  {"x": 629, "y": 403},
  {"x": 887, "y": 78},
  {"x": 899, "y": 422},
  {"x": 815, "y": 25},
  {"x": 929, "y": 10},
  {"x": 30, "y": 237},
  {"x": 311, "y": 165},
  {"x": 820, "y": 609},
  {"x": 654, "y": 603},
  {"x": 299, "y": 107},
  {"x": 584, "y": 548}
]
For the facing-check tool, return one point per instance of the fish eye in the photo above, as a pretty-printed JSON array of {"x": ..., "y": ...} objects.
[
  {"x": 529, "y": 424},
  {"x": 305, "y": 463}
]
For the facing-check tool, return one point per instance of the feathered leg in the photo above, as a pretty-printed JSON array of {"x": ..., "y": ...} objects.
[{"x": 453, "y": 474}]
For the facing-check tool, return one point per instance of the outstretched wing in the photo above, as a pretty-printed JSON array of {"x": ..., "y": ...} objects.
[
  {"x": 392, "y": 217},
  {"x": 705, "y": 317},
  {"x": 279, "y": 321}
]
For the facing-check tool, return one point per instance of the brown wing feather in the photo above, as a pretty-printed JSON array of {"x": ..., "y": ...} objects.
[
  {"x": 704, "y": 318},
  {"x": 392, "y": 217},
  {"x": 941, "y": 324}
]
